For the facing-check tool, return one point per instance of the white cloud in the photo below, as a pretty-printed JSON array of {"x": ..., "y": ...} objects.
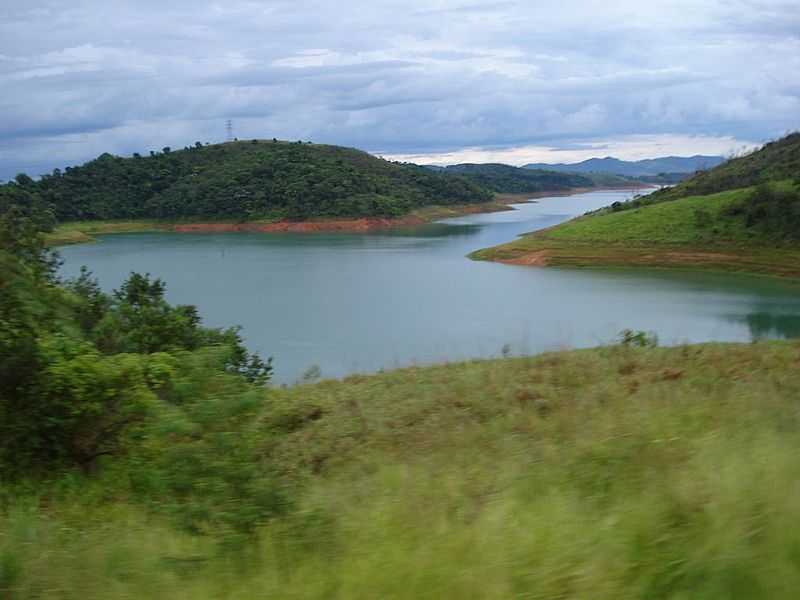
[
  {"x": 409, "y": 77},
  {"x": 633, "y": 147}
]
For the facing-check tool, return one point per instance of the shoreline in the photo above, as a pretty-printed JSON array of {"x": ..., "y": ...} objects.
[
  {"x": 645, "y": 238},
  {"x": 758, "y": 260},
  {"x": 82, "y": 232}
]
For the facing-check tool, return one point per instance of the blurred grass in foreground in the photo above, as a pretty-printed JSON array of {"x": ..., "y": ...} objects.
[{"x": 611, "y": 473}]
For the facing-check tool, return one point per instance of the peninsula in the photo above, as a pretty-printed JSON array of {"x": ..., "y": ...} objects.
[{"x": 743, "y": 215}]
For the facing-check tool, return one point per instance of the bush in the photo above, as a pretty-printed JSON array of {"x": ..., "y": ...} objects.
[
  {"x": 639, "y": 339},
  {"x": 774, "y": 210}
]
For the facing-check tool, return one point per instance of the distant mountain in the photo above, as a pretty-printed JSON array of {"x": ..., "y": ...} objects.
[
  {"x": 638, "y": 168},
  {"x": 776, "y": 161},
  {"x": 506, "y": 179}
]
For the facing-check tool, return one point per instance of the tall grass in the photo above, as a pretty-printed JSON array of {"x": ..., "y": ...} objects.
[{"x": 610, "y": 473}]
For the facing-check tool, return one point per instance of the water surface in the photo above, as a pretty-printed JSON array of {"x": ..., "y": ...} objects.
[{"x": 362, "y": 302}]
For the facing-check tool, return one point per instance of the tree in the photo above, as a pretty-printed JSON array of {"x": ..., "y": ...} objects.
[{"x": 23, "y": 180}]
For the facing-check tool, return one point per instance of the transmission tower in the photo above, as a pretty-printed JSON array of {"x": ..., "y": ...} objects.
[{"x": 229, "y": 130}]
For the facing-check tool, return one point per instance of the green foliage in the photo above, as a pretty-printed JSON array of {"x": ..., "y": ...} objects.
[
  {"x": 638, "y": 339},
  {"x": 616, "y": 473},
  {"x": 513, "y": 180},
  {"x": 201, "y": 462},
  {"x": 82, "y": 371},
  {"x": 776, "y": 161},
  {"x": 772, "y": 210},
  {"x": 24, "y": 219},
  {"x": 246, "y": 181},
  {"x": 738, "y": 230}
]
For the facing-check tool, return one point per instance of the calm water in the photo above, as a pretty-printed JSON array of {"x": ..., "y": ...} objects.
[{"x": 361, "y": 302}]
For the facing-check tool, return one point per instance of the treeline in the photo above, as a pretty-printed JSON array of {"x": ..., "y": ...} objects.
[
  {"x": 130, "y": 383},
  {"x": 514, "y": 180},
  {"x": 244, "y": 181}
]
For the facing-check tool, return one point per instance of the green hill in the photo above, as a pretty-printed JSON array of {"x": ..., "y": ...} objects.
[
  {"x": 506, "y": 179},
  {"x": 754, "y": 229},
  {"x": 776, "y": 161},
  {"x": 246, "y": 181}
]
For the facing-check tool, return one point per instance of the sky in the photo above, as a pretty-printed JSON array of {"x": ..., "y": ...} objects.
[{"x": 435, "y": 81}]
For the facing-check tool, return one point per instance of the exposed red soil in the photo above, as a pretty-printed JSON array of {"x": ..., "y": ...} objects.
[
  {"x": 529, "y": 259},
  {"x": 343, "y": 225},
  {"x": 366, "y": 224}
]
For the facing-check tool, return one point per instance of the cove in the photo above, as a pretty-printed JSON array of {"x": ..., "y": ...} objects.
[{"x": 363, "y": 302}]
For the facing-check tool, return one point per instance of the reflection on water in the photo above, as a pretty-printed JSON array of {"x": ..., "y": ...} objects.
[
  {"x": 765, "y": 325},
  {"x": 362, "y": 302}
]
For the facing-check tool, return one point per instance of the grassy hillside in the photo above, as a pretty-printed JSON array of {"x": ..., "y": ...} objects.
[
  {"x": 742, "y": 215},
  {"x": 245, "y": 181},
  {"x": 696, "y": 232},
  {"x": 776, "y": 161},
  {"x": 506, "y": 179},
  {"x": 616, "y": 473}
]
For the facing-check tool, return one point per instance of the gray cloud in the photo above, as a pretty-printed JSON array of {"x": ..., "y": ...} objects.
[{"x": 389, "y": 76}]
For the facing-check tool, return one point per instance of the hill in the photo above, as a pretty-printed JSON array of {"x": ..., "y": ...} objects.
[
  {"x": 246, "y": 181},
  {"x": 638, "y": 168},
  {"x": 775, "y": 161},
  {"x": 716, "y": 219},
  {"x": 615, "y": 473},
  {"x": 700, "y": 232},
  {"x": 506, "y": 179}
]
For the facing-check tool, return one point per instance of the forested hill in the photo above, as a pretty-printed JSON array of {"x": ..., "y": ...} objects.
[
  {"x": 514, "y": 180},
  {"x": 245, "y": 181}
]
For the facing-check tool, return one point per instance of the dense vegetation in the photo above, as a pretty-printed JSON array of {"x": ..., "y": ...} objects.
[
  {"x": 513, "y": 180},
  {"x": 773, "y": 210},
  {"x": 87, "y": 378},
  {"x": 617, "y": 473},
  {"x": 244, "y": 181}
]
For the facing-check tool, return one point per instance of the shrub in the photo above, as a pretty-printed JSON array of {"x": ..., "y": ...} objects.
[{"x": 639, "y": 339}]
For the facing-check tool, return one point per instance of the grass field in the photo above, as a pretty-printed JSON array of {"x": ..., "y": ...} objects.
[
  {"x": 688, "y": 233},
  {"x": 613, "y": 473},
  {"x": 78, "y": 232}
]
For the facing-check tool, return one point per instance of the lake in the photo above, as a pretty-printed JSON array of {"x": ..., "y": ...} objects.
[{"x": 363, "y": 302}]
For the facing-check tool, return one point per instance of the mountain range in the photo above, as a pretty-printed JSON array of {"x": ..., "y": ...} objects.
[{"x": 638, "y": 168}]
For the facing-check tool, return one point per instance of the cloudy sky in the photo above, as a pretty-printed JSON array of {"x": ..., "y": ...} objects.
[{"x": 433, "y": 81}]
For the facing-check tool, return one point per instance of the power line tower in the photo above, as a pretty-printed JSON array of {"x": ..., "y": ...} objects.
[{"x": 229, "y": 130}]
